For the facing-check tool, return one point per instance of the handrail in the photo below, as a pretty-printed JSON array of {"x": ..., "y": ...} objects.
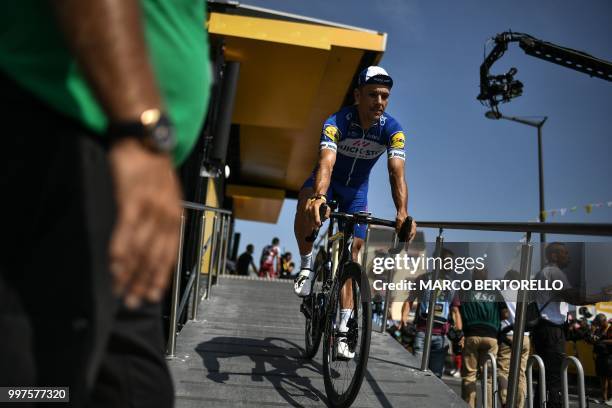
[
  {"x": 218, "y": 250},
  {"x": 525, "y": 271},
  {"x": 190, "y": 282},
  {"x": 534, "y": 227},
  {"x": 201, "y": 207}
]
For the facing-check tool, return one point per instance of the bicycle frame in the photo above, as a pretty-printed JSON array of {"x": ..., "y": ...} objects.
[{"x": 347, "y": 236}]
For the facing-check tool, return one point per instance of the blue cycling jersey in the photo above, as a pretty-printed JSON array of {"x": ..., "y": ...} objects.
[{"x": 358, "y": 149}]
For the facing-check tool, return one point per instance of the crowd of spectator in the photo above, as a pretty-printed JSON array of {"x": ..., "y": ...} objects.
[
  {"x": 272, "y": 264},
  {"x": 470, "y": 324}
]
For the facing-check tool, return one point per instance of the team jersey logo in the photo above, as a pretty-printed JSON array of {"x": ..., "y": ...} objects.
[
  {"x": 331, "y": 132},
  {"x": 360, "y": 149},
  {"x": 397, "y": 140}
]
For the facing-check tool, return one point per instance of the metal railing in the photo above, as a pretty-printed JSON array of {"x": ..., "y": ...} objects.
[
  {"x": 218, "y": 243},
  {"x": 525, "y": 272},
  {"x": 541, "y": 380},
  {"x": 580, "y": 380},
  {"x": 489, "y": 358}
]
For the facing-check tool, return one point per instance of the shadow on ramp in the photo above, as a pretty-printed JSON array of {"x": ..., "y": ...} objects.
[{"x": 273, "y": 360}]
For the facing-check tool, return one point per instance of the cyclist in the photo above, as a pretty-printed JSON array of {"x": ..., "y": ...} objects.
[
  {"x": 352, "y": 140},
  {"x": 270, "y": 256}
]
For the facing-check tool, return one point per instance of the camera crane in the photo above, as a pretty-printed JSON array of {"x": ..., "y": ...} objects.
[{"x": 496, "y": 89}]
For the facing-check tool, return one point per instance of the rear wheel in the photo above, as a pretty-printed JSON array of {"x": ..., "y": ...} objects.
[{"x": 343, "y": 378}]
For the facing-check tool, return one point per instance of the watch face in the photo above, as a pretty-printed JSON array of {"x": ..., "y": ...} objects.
[{"x": 163, "y": 135}]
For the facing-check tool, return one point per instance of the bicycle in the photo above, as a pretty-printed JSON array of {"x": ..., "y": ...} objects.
[{"x": 342, "y": 377}]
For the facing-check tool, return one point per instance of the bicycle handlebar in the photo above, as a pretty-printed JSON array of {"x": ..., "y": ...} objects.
[{"x": 365, "y": 219}]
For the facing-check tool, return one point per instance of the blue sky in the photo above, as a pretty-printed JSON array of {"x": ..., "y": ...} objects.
[{"x": 461, "y": 166}]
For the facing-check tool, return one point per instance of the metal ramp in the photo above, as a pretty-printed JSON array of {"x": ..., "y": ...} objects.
[{"x": 245, "y": 349}]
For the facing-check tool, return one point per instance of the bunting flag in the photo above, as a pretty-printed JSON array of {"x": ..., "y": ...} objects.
[{"x": 588, "y": 208}]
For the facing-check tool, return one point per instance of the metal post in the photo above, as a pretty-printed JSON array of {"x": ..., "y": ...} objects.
[
  {"x": 383, "y": 324},
  {"x": 541, "y": 380},
  {"x": 519, "y": 325},
  {"x": 220, "y": 247},
  {"x": 541, "y": 177},
  {"x": 176, "y": 285},
  {"x": 227, "y": 241},
  {"x": 364, "y": 257},
  {"x": 580, "y": 379},
  {"x": 196, "y": 284},
  {"x": 431, "y": 305},
  {"x": 490, "y": 357},
  {"x": 211, "y": 262}
]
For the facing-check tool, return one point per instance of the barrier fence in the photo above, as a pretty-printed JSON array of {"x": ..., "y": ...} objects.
[
  {"x": 216, "y": 247},
  {"x": 541, "y": 380},
  {"x": 521, "y": 307},
  {"x": 579, "y": 379},
  {"x": 489, "y": 358}
]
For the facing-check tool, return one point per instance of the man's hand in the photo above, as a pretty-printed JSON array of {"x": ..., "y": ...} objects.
[
  {"x": 312, "y": 211},
  {"x": 399, "y": 221},
  {"x": 145, "y": 237}
]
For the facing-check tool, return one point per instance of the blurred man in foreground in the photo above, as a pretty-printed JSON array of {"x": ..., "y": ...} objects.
[{"x": 101, "y": 97}]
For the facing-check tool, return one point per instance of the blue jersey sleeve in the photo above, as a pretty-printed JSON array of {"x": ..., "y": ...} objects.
[
  {"x": 330, "y": 135},
  {"x": 396, "y": 141}
]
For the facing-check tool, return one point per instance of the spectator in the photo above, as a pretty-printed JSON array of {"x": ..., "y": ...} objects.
[
  {"x": 286, "y": 265},
  {"x": 89, "y": 89},
  {"x": 601, "y": 338},
  {"x": 245, "y": 260},
  {"x": 549, "y": 335},
  {"x": 481, "y": 314},
  {"x": 456, "y": 338},
  {"x": 505, "y": 346},
  {"x": 269, "y": 255},
  {"x": 446, "y": 308}
]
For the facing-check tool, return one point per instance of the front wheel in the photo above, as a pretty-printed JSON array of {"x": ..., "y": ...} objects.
[{"x": 343, "y": 377}]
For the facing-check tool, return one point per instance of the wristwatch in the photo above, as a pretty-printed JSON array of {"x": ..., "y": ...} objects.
[{"x": 153, "y": 129}]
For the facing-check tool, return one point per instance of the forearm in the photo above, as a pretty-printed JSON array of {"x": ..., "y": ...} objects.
[
  {"x": 399, "y": 189},
  {"x": 322, "y": 177},
  {"x": 107, "y": 39}
]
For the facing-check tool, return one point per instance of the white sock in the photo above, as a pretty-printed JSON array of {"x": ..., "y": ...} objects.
[
  {"x": 306, "y": 261},
  {"x": 345, "y": 315}
]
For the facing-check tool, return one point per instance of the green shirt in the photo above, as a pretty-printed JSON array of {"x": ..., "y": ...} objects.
[
  {"x": 33, "y": 53},
  {"x": 481, "y": 308}
]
